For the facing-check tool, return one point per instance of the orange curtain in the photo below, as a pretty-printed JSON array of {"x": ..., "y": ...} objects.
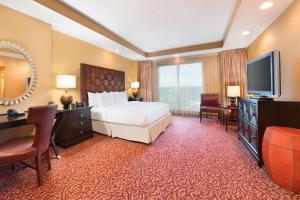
[
  {"x": 146, "y": 80},
  {"x": 233, "y": 66}
]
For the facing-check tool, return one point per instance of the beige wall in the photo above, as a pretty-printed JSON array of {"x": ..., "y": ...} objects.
[
  {"x": 283, "y": 35},
  {"x": 36, "y": 37},
  {"x": 68, "y": 53}
]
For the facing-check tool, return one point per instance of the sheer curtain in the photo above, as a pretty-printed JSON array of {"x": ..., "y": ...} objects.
[{"x": 180, "y": 85}]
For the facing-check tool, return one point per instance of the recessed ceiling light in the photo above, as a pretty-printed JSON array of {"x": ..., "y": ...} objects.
[
  {"x": 266, "y": 5},
  {"x": 246, "y": 33},
  {"x": 117, "y": 50},
  {"x": 176, "y": 56}
]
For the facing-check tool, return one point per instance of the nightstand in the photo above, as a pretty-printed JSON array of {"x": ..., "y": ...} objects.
[
  {"x": 75, "y": 127},
  {"x": 230, "y": 116},
  {"x": 135, "y": 99}
]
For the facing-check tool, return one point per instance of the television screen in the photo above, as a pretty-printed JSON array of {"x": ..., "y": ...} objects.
[{"x": 260, "y": 75}]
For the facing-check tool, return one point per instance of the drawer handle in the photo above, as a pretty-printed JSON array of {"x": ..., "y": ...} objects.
[
  {"x": 81, "y": 123},
  {"x": 81, "y": 115}
]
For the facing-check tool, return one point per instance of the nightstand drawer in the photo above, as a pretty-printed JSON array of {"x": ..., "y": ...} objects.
[
  {"x": 79, "y": 114},
  {"x": 82, "y": 124}
]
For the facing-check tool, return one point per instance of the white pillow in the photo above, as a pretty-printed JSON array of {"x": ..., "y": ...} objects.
[
  {"x": 123, "y": 97},
  {"x": 99, "y": 99},
  {"x": 93, "y": 99},
  {"x": 105, "y": 99},
  {"x": 116, "y": 97},
  {"x": 120, "y": 97}
]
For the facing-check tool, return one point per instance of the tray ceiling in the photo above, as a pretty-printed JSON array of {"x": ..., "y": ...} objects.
[{"x": 151, "y": 26}]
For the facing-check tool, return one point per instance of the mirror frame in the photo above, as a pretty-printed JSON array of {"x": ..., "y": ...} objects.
[{"x": 33, "y": 83}]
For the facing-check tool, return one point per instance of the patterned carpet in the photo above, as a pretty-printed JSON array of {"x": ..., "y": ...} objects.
[{"x": 189, "y": 161}]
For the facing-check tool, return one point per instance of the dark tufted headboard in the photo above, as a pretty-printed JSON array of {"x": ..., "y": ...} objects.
[{"x": 99, "y": 79}]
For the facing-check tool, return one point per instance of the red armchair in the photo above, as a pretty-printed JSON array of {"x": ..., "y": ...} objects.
[{"x": 210, "y": 106}]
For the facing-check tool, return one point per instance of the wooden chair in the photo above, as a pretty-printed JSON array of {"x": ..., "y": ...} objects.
[
  {"x": 210, "y": 106},
  {"x": 23, "y": 148}
]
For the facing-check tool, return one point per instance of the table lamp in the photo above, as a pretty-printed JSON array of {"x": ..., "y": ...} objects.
[
  {"x": 233, "y": 92},
  {"x": 135, "y": 86},
  {"x": 66, "y": 82}
]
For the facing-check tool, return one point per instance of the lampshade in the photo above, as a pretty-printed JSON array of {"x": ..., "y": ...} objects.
[
  {"x": 135, "y": 85},
  {"x": 233, "y": 91},
  {"x": 66, "y": 81}
]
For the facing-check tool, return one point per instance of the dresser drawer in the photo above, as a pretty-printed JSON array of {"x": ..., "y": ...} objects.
[
  {"x": 245, "y": 132},
  {"x": 252, "y": 114},
  {"x": 245, "y": 111}
]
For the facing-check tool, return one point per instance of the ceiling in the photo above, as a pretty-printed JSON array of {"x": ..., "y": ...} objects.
[
  {"x": 159, "y": 25},
  {"x": 250, "y": 17}
]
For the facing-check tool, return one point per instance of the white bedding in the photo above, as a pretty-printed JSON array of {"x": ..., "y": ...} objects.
[{"x": 131, "y": 113}]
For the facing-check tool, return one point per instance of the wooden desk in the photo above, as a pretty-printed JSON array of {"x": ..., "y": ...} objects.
[{"x": 7, "y": 122}]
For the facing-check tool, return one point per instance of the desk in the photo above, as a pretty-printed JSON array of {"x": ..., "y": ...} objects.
[{"x": 7, "y": 122}]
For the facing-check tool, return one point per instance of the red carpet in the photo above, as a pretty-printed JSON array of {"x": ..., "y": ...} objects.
[{"x": 189, "y": 161}]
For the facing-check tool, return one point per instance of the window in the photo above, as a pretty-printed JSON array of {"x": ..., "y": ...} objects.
[{"x": 181, "y": 86}]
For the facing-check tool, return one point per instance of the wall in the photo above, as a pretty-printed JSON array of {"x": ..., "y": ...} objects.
[
  {"x": 283, "y": 35},
  {"x": 36, "y": 37},
  {"x": 68, "y": 53}
]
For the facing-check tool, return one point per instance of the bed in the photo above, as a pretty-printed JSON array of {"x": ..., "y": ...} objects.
[{"x": 134, "y": 121}]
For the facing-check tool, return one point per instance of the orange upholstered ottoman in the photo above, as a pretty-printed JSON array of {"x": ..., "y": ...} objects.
[{"x": 281, "y": 155}]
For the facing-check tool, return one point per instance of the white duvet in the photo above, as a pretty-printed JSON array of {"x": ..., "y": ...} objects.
[{"x": 131, "y": 113}]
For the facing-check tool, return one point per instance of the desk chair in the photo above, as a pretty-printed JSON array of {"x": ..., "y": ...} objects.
[{"x": 23, "y": 148}]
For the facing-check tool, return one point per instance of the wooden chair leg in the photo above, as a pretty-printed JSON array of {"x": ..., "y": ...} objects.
[
  {"x": 226, "y": 123},
  {"x": 200, "y": 116},
  {"x": 38, "y": 164},
  {"x": 48, "y": 158}
]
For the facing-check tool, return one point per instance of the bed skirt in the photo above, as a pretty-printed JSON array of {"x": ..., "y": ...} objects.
[{"x": 133, "y": 133}]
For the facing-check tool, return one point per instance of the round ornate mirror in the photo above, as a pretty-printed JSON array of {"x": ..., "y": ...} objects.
[{"x": 18, "y": 74}]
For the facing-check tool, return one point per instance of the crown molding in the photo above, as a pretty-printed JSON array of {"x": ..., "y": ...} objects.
[
  {"x": 198, "y": 47},
  {"x": 75, "y": 15},
  {"x": 231, "y": 20}
]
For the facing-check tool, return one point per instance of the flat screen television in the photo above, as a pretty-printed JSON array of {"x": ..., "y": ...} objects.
[{"x": 263, "y": 75}]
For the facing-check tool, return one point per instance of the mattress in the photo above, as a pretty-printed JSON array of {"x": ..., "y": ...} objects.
[{"x": 132, "y": 113}]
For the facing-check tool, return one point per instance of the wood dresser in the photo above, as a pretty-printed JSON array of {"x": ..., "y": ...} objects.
[
  {"x": 75, "y": 127},
  {"x": 256, "y": 115}
]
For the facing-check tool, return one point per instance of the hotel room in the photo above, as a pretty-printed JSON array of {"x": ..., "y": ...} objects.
[{"x": 139, "y": 99}]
